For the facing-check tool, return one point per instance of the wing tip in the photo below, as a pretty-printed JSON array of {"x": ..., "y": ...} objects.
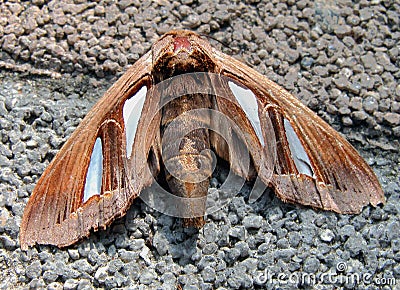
[{"x": 307, "y": 192}]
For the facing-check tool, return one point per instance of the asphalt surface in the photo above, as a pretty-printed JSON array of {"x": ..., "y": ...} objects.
[{"x": 340, "y": 58}]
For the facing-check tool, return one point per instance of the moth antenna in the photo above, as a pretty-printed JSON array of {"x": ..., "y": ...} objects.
[
  {"x": 236, "y": 53},
  {"x": 220, "y": 42}
]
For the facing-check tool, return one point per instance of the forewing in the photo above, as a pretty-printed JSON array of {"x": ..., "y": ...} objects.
[
  {"x": 314, "y": 164},
  {"x": 246, "y": 123},
  {"x": 92, "y": 180}
]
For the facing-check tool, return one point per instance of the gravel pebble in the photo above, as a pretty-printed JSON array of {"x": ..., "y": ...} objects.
[
  {"x": 311, "y": 265},
  {"x": 252, "y": 222},
  {"x": 393, "y": 119},
  {"x": 356, "y": 245},
  {"x": 101, "y": 274},
  {"x": 327, "y": 236},
  {"x": 70, "y": 284},
  {"x": 208, "y": 274}
]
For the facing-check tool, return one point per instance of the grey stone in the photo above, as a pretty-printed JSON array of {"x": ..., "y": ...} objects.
[
  {"x": 396, "y": 131},
  {"x": 8, "y": 243},
  {"x": 70, "y": 284},
  {"x": 238, "y": 232},
  {"x": 208, "y": 261},
  {"x": 321, "y": 70},
  {"x": 327, "y": 235},
  {"x": 232, "y": 255},
  {"x": 210, "y": 249},
  {"x": 307, "y": 62},
  {"x": 131, "y": 270},
  {"x": 250, "y": 264},
  {"x": 34, "y": 270},
  {"x": 93, "y": 256},
  {"x": 284, "y": 254},
  {"x": 239, "y": 279},
  {"x": 73, "y": 253},
  {"x": 366, "y": 14},
  {"x": 83, "y": 266},
  {"x": 137, "y": 245},
  {"x": 110, "y": 283},
  {"x": 160, "y": 243},
  {"x": 55, "y": 286},
  {"x": 243, "y": 248},
  {"x": 252, "y": 222},
  {"x": 192, "y": 21},
  {"x": 359, "y": 115},
  {"x": 9, "y": 43},
  {"x": 392, "y": 119},
  {"x": 356, "y": 245},
  {"x": 282, "y": 243},
  {"x": 147, "y": 276},
  {"x": 393, "y": 230},
  {"x": 101, "y": 274},
  {"x": 263, "y": 248},
  {"x": 210, "y": 232},
  {"x": 342, "y": 30},
  {"x": 294, "y": 238},
  {"x": 112, "y": 14},
  {"x": 189, "y": 269},
  {"x": 168, "y": 279},
  {"x": 346, "y": 231},
  {"x": 369, "y": 62},
  {"x": 370, "y": 104},
  {"x": 50, "y": 276},
  {"x": 145, "y": 255},
  {"x": 85, "y": 284},
  {"x": 311, "y": 265},
  {"x": 292, "y": 55}
]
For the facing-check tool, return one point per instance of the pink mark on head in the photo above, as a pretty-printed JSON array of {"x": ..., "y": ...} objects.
[{"x": 182, "y": 43}]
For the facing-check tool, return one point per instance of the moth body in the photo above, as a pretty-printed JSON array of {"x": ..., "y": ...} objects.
[{"x": 163, "y": 117}]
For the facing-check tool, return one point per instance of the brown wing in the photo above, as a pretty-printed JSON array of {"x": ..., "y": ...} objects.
[
  {"x": 314, "y": 164},
  {"x": 57, "y": 213}
]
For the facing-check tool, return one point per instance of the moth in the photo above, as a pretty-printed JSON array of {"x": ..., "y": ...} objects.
[{"x": 125, "y": 143}]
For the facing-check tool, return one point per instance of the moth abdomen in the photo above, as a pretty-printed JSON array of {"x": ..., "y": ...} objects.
[{"x": 186, "y": 153}]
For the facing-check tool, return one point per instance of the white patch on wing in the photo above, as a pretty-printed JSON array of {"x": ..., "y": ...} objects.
[
  {"x": 132, "y": 111},
  {"x": 299, "y": 155},
  {"x": 95, "y": 172},
  {"x": 248, "y": 101}
]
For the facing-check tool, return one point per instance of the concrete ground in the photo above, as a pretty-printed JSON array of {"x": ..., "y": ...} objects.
[{"x": 340, "y": 58}]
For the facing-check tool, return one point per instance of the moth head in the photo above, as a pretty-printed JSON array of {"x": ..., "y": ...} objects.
[{"x": 181, "y": 51}]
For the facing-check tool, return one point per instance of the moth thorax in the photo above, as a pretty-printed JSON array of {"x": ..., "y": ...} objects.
[
  {"x": 182, "y": 59},
  {"x": 182, "y": 44}
]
